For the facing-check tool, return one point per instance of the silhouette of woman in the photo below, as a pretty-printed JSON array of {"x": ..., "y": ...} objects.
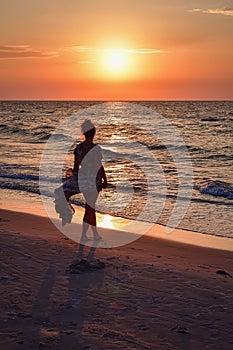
[{"x": 91, "y": 176}]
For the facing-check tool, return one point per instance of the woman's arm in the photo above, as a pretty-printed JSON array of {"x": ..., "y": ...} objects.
[
  {"x": 76, "y": 164},
  {"x": 103, "y": 176}
]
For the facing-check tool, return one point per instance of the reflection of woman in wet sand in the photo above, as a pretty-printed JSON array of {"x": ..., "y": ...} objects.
[{"x": 91, "y": 176}]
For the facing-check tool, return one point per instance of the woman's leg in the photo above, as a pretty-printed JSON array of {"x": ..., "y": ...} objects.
[
  {"x": 90, "y": 214},
  {"x": 84, "y": 231}
]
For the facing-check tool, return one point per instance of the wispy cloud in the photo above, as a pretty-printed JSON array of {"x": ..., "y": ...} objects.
[
  {"x": 87, "y": 49},
  {"x": 28, "y": 52},
  {"x": 85, "y": 62},
  {"x": 226, "y": 11},
  {"x": 24, "y": 51}
]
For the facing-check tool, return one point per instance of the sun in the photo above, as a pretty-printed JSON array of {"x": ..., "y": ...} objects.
[
  {"x": 115, "y": 64},
  {"x": 115, "y": 60}
]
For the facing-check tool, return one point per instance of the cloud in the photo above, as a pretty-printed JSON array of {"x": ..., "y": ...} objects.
[
  {"x": 28, "y": 52},
  {"x": 85, "y": 62},
  {"x": 226, "y": 11},
  {"x": 87, "y": 49},
  {"x": 24, "y": 51},
  {"x": 145, "y": 51}
]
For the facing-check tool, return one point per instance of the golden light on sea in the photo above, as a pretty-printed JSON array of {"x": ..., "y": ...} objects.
[{"x": 106, "y": 221}]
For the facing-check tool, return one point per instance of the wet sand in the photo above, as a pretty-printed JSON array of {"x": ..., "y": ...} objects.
[{"x": 154, "y": 293}]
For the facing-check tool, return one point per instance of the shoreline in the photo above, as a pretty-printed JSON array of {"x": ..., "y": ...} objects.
[{"x": 106, "y": 221}]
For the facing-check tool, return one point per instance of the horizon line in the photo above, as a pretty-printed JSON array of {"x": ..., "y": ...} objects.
[{"x": 117, "y": 100}]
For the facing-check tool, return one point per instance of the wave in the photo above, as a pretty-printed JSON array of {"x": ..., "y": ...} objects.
[
  {"x": 40, "y": 134},
  {"x": 21, "y": 187},
  {"x": 27, "y": 189},
  {"x": 191, "y": 149},
  {"x": 217, "y": 189},
  {"x": 20, "y": 176},
  {"x": 222, "y": 157},
  {"x": 28, "y": 177},
  {"x": 30, "y": 184},
  {"x": 209, "y": 119},
  {"x": 156, "y": 147},
  {"x": 174, "y": 197},
  {"x": 3, "y": 126}
]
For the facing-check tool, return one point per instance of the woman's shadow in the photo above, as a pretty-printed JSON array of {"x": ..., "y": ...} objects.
[
  {"x": 90, "y": 256},
  {"x": 84, "y": 276}
]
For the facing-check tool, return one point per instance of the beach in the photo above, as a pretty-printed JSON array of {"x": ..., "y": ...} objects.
[
  {"x": 153, "y": 293},
  {"x": 143, "y": 286}
]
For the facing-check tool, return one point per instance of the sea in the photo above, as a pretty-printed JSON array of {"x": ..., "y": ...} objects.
[{"x": 167, "y": 162}]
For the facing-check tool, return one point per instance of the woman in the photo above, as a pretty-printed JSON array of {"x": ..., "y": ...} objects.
[{"x": 91, "y": 176}]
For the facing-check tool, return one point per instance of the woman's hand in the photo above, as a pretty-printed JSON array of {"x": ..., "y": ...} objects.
[{"x": 105, "y": 183}]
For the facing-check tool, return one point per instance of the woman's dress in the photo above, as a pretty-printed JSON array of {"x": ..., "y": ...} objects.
[{"x": 87, "y": 180}]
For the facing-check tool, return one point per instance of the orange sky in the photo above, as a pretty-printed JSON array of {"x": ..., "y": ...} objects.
[{"x": 116, "y": 50}]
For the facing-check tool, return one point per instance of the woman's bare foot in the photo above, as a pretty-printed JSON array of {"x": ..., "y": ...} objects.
[
  {"x": 84, "y": 239},
  {"x": 97, "y": 237}
]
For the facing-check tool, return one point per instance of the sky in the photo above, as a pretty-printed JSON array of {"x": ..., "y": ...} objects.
[{"x": 116, "y": 50}]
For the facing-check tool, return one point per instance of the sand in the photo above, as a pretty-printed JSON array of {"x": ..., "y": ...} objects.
[{"x": 154, "y": 293}]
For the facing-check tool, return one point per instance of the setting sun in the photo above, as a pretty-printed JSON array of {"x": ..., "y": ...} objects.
[
  {"x": 115, "y": 60},
  {"x": 116, "y": 64}
]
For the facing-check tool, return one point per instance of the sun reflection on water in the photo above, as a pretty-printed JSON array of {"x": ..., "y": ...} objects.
[{"x": 106, "y": 221}]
